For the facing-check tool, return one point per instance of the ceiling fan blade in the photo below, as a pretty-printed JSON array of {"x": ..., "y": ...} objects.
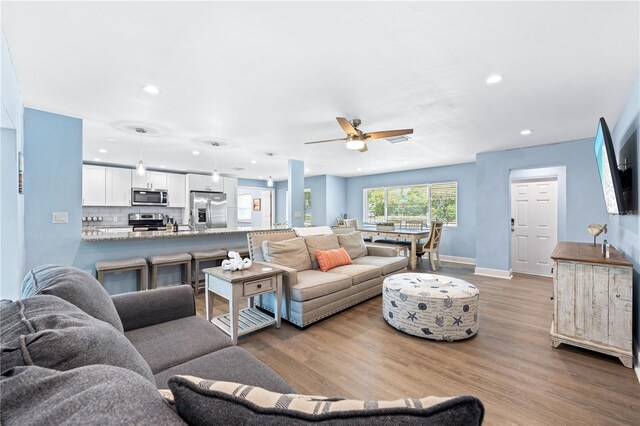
[
  {"x": 346, "y": 126},
  {"x": 387, "y": 134},
  {"x": 364, "y": 148},
  {"x": 328, "y": 140}
]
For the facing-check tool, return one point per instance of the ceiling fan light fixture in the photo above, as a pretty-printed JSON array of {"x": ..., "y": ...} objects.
[{"x": 355, "y": 144}]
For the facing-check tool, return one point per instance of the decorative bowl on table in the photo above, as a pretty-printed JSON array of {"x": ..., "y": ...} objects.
[{"x": 387, "y": 226}]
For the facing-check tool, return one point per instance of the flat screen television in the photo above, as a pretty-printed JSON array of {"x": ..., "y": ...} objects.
[{"x": 608, "y": 169}]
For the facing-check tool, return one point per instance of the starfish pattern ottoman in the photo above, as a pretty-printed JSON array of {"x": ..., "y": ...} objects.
[{"x": 431, "y": 306}]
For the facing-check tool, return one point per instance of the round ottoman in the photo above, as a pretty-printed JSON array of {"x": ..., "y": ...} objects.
[{"x": 431, "y": 306}]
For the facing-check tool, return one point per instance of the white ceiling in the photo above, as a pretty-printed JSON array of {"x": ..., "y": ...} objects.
[{"x": 266, "y": 77}]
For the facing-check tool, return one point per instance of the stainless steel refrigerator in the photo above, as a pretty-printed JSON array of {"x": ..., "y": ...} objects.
[{"x": 208, "y": 210}]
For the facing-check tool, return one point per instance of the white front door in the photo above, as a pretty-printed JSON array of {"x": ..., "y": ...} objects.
[{"x": 534, "y": 225}]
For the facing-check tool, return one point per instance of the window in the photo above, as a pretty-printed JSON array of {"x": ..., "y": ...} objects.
[
  {"x": 307, "y": 206},
  {"x": 244, "y": 208},
  {"x": 436, "y": 201}
]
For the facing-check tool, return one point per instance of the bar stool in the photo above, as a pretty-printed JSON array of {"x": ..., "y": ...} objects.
[
  {"x": 182, "y": 259},
  {"x": 204, "y": 256},
  {"x": 138, "y": 264},
  {"x": 243, "y": 251}
]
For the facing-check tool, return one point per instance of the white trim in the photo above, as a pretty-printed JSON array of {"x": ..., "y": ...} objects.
[
  {"x": 458, "y": 259},
  {"x": 496, "y": 273}
]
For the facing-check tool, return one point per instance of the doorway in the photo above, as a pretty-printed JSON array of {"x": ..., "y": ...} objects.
[
  {"x": 534, "y": 224},
  {"x": 255, "y": 207}
]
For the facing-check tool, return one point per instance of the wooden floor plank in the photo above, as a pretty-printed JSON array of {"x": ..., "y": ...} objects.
[{"x": 510, "y": 364}]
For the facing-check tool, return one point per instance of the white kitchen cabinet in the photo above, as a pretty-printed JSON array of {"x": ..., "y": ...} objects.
[
  {"x": 204, "y": 183},
  {"x": 593, "y": 299},
  {"x": 150, "y": 180},
  {"x": 176, "y": 186},
  {"x": 93, "y": 185},
  {"x": 231, "y": 189},
  {"x": 118, "y": 186}
]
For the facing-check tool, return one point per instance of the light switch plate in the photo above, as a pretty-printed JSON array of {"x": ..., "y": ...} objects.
[{"x": 60, "y": 217}]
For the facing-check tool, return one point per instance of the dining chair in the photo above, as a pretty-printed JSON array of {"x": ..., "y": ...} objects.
[{"x": 432, "y": 245}]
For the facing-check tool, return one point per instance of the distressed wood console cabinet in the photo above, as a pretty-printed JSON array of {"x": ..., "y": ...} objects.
[{"x": 592, "y": 300}]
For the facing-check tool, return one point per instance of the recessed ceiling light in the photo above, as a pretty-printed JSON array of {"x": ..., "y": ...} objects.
[
  {"x": 260, "y": 177},
  {"x": 96, "y": 159},
  {"x": 253, "y": 161},
  {"x": 526, "y": 132},
  {"x": 359, "y": 169},
  {"x": 153, "y": 90},
  {"x": 494, "y": 78},
  {"x": 163, "y": 167},
  {"x": 405, "y": 162},
  {"x": 102, "y": 151},
  {"x": 306, "y": 170},
  {"x": 195, "y": 152},
  {"x": 110, "y": 139}
]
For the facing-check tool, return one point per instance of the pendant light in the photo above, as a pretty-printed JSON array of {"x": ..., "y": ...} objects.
[
  {"x": 141, "y": 169},
  {"x": 215, "y": 176},
  {"x": 270, "y": 182}
]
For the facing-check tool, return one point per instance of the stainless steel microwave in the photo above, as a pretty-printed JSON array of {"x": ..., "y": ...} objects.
[{"x": 149, "y": 197}]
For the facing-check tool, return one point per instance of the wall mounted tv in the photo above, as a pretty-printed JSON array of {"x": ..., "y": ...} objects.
[{"x": 608, "y": 169}]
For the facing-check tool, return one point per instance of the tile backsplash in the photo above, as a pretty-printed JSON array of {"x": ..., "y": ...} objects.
[{"x": 119, "y": 216}]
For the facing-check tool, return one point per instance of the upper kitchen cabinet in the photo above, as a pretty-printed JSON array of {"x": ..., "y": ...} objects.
[
  {"x": 118, "y": 186},
  {"x": 150, "y": 180},
  {"x": 204, "y": 183},
  {"x": 231, "y": 189},
  {"x": 176, "y": 186},
  {"x": 93, "y": 185}
]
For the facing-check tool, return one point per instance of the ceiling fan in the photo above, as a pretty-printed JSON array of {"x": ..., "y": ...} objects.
[{"x": 357, "y": 139}]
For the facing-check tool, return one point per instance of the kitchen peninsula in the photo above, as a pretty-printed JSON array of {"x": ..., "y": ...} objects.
[{"x": 103, "y": 245}]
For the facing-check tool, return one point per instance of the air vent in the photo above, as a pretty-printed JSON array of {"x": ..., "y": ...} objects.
[
  {"x": 238, "y": 169},
  {"x": 398, "y": 139}
]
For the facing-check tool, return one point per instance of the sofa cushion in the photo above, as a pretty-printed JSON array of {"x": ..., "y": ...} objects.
[
  {"x": 353, "y": 244},
  {"x": 174, "y": 342},
  {"x": 96, "y": 394},
  {"x": 312, "y": 284},
  {"x": 76, "y": 287},
  {"x": 292, "y": 253},
  {"x": 358, "y": 273},
  {"x": 210, "y": 402},
  {"x": 330, "y": 259},
  {"x": 322, "y": 243},
  {"x": 388, "y": 264},
  {"x": 49, "y": 332},
  {"x": 232, "y": 364}
]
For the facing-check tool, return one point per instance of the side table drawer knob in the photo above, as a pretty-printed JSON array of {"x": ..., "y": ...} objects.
[{"x": 259, "y": 286}]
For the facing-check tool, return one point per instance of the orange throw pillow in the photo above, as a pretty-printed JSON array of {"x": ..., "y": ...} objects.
[{"x": 329, "y": 259}]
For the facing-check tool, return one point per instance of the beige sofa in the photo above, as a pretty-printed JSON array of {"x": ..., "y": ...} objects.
[{"x": 309, "y": 294}]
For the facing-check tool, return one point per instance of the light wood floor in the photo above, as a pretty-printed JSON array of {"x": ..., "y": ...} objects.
[{"x": 510, "y": 364}]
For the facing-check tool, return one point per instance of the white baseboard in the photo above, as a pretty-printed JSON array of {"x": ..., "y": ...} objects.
[
  {"x": 496, "y": 273},
  {"x": 458, "y": 259}
]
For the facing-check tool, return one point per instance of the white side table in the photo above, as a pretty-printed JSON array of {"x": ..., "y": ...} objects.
[{"x": 237, "y": 286}]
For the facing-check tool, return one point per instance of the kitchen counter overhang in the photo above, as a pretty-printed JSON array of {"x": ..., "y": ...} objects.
[{"x": 99, "y": 236}]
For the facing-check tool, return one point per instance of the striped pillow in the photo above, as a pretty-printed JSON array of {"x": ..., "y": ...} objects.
[
  {"x": 329, "y": 259},
  {"x": 200, "y": 401}
]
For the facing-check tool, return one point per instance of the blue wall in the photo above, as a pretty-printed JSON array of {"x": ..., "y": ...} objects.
[
  {"x": 459, "y": 241},
  {"x": 281, "y": 200},
  {"x": 624, "y": 231},
  {"x": 53, "y": 183},
  {"x": 318, "y": 187},
  {"x": 336, "y": 204},
  {"x": 295, "y": 194},
  {"x": 584, "y": 204},
  {"x": 12, "y": 250}
]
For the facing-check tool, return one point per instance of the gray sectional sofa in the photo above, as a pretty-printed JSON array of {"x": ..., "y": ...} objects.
[
  {"x": 309, "y": 294},
  {"x": 71, "y": 354}
]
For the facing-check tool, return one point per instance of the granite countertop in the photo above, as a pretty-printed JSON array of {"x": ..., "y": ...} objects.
[{"x": 97, "y": 235}]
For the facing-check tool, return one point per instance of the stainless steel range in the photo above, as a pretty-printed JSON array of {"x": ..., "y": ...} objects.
[{"x": 147, "y": 221}]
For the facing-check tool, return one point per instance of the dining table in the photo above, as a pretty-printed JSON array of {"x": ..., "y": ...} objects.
[{"x": 413, "y": 235}]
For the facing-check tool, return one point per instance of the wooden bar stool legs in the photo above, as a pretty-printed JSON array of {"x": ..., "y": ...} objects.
[
  {"x": 137, "y": 264},
  {"x": 181, "y": 259}
]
